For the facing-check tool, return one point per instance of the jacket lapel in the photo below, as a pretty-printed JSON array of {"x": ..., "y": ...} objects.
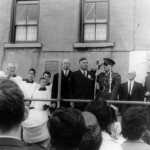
[
  {"x": 126, "y": 88},
  {"x": 134, "y": 87}
]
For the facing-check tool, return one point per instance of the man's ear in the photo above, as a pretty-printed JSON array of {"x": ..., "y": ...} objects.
[{"x": 26, "y": 113}]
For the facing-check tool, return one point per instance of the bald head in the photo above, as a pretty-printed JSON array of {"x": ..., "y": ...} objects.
[
  {"x": 66, "y": 64},
  {"x": 131, "y": 75},
  {"x": 11, "y": 67}
]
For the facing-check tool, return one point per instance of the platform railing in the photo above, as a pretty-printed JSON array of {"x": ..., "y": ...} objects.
[{"x": 87, "y": 101}]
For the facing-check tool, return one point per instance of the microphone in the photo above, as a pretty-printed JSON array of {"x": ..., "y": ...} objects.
[{"x": 97, "y": 62}]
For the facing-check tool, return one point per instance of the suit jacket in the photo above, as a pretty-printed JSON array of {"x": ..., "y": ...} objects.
[
  {"x": 11, "y": 144},
  {"x": 64, "y": 85},
  {"x": 136, "y": 95},
  {"x": 82, "y": 87}
]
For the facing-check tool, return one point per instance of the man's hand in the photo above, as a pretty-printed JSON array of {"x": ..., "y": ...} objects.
[
  {"x": 72, "y": 104},
  {"x": 147, "y": 94}
]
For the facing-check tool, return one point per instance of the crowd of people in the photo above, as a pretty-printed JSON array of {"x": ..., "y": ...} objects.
[
  {"x": 41, "y": 125},
  {"x": 94, "y": 128}
]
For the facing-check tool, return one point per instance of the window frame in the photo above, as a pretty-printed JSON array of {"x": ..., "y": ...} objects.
[
  {"x": 82, "y": 22},
  {"x": 13, "y": 22}
]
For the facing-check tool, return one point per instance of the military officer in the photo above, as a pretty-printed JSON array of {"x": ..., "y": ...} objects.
[{"x": 104, "y": 79}]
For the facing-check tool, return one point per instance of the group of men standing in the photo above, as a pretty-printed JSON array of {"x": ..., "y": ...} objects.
[{"x": 80, "y": 85}]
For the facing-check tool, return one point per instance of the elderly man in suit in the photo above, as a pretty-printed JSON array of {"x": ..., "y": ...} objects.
[
  {"x": 65, "y": 80},
  {"x": 131, "y": 90},
  {"x": 11, "y": 69},
  {"x": 82, "y": 84}
]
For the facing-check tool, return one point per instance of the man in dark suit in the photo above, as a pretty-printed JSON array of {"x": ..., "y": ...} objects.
[
  {"x": 13, "y": 112},
  {"x": 65, "y": 80},
  {"x": 131, "y": 91},
  {"x": 82, "y": 84}
]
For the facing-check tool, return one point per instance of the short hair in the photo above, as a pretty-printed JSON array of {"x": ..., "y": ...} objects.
[
  {"x": 82, "y": 59},
  {"x": 11, "y": 105},
  {"x": 104, "y": 113},
  {"x": 11, "y": 64},
  {"x": 47, "y": 72},
  {"x": 42, "y": 78},
  {"x": 32, "y": 69},
  {"x": 67, "y": 128},
  {"x": 92, "y": 138},
  {"x": 133, "y": 122}
]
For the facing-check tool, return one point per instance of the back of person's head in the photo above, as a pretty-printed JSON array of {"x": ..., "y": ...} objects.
[
  {"x": 67, "y": 128},
  {"x": 35, "y": 128},
  {"x": 11, "y": 105},
  {"x": 92, "y": 138},
  {"x": 134, "y": 123},
  {"x": 103, "y": 112}
]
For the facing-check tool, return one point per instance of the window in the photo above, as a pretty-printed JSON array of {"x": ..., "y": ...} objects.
[
  {"x": 95, "y": 20},
  {"x": 25, "y": 21}
]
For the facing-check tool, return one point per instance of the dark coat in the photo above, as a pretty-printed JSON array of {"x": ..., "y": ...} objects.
[
  {"x": 136, "y": 95},
  {"x": 64, "y": 87},
  {"x": 11, "y": 144},
  {"x": 104, "y": 79},
  {"x": 147, "y": 89},
  {"x": 81, "y": 87}
]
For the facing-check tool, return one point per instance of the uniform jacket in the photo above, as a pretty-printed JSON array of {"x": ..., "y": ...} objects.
[
  {"x": 64, "y": 85},
  {"x": 104, "y": 80},
  {"x": 11, "y": 144},
  {"x": 82, "y": 87}
]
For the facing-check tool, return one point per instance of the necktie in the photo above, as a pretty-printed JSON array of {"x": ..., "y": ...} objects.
[
  {"x": 66, "y": 73},
  {"x": 84, "y": 74},
  {"x": 129, "y": 92}
]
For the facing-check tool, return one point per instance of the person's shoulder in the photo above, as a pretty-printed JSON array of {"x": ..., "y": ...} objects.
[
  {"x": 100, "y": 75},
  {"x": 116, "y": 75},
  {"x": 138, "y": 83},
  {"x": 56, "y": 74},
  {"x": 76, "y": 72}
]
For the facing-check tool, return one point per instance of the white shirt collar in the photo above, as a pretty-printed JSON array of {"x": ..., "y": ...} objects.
[
  {"x": 83, "y": 71},
  {"x": 106, "y": 136},
  {"x": 66, "y": 71},
  {"x": 132, "y": 83}
]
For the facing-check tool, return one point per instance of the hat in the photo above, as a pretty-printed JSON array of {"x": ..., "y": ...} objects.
[
  {"x": 35, "y": 127},
  {"x": 93, "y": 131},
  {"x": 108, "y": 61}
]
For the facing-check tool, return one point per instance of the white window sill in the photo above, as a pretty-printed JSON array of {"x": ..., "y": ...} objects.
[
  {"x": 94, "y": 45},
  {"x": 22, "y": 45}
]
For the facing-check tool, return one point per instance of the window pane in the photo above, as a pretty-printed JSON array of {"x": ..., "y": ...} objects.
[
  {"x": 21, "y": 33},
  {"x": 101, "y": 31},
  {"x": 101, "y": 11},
  {"x": 31, "y": 33},
  {"x": 32, "y": 15},
  {"x": 89, "y": 32},
  {"x": 89, "y": 12},
  {"x": 21, "y": 14}
]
